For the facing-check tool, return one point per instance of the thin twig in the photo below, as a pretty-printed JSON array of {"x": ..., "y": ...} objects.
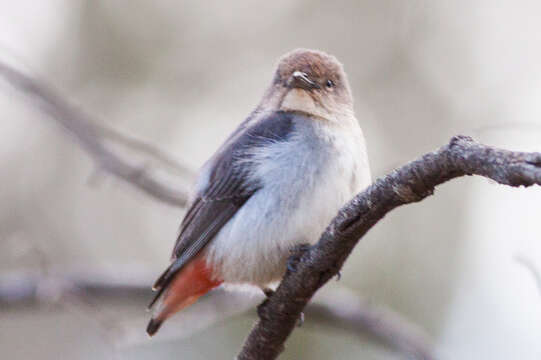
[
  {"x": 90, "y": 137},
  {"x": 411, "y": 183},
  {"x": 145, "y": 149},
  {"x": 32, "y": 287}
]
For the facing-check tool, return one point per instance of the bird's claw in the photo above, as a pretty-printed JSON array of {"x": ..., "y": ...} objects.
[
  {"x": 295, "y": 257},
  {"x": 268, "y": 292}
]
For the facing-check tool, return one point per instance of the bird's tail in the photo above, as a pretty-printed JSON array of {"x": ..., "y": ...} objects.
[
  {"x": 153, "y": 326},
  {"x": 195, "y": 279}
]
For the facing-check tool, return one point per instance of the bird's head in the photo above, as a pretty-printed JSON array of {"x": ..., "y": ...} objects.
[{"x": 310, "y": 82}]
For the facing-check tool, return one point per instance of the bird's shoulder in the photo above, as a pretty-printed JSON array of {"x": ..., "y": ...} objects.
[
  {"x": 226, "y": 180},
  {"x": 233, "y": 156}
]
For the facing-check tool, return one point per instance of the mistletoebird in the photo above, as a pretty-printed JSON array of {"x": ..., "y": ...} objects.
[{"x": 276, "y": 182}]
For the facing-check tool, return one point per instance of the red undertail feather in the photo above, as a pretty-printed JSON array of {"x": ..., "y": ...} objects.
[{"x": 193, "y": 281}]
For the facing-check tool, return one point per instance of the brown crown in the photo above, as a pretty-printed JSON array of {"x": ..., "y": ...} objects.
[{"x": 316, "y": 64}]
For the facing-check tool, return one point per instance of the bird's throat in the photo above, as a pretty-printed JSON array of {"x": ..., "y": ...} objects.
[{"x": 299, "y": 100}]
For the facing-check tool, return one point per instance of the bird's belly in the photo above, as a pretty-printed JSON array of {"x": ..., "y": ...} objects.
[
  {"x": 295, "y": 207},
  {"x": 254, "y": 245}
]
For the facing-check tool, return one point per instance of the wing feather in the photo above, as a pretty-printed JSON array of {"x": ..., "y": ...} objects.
[{"x": 229, "y": 187}]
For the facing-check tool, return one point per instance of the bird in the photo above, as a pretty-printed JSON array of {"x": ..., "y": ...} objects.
[{"x": 275, "y": 183}]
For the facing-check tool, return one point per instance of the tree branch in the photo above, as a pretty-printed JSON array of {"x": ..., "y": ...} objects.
[
  {"x": 92, "y": 138},
  {"x": 411, "y": 183},
  {"x": 342, "y": 309}
]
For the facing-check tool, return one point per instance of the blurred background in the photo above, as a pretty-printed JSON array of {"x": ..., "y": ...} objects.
[{"x": 181, "y": 76}]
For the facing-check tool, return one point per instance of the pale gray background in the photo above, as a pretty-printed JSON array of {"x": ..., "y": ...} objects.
[{"x": 182, "y": 75}]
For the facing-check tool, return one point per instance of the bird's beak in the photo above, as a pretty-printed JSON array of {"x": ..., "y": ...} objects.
[{"x": 300, "y": 80}]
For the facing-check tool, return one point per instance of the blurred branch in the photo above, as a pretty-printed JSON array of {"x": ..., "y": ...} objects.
[
  {"x": 344, "y": 310},
  {"x": 31, "y": 287},
  {"x": 145, "y": 149},
  {"x": 411, "y": 183},
  {"x": 92, "y": 138},
  {"x": 341, "y": 309},
  {"x": 532, "y": 269}
]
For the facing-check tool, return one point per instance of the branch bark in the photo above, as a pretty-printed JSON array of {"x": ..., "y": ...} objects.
[{"x": 411, "y": 183}]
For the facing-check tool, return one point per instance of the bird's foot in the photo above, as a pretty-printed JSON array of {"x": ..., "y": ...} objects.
[
  {"x": 268, "y": 292},
  {"x": 295, "y": 257}
]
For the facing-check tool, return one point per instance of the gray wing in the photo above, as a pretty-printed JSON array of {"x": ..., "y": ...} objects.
[{"x": 229, "y": 187}]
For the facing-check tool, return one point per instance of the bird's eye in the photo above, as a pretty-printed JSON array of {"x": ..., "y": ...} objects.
[{"x": 330, "y": 83}]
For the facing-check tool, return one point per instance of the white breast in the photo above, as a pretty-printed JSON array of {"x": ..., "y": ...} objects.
[{"x": 306, "y": 180}]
